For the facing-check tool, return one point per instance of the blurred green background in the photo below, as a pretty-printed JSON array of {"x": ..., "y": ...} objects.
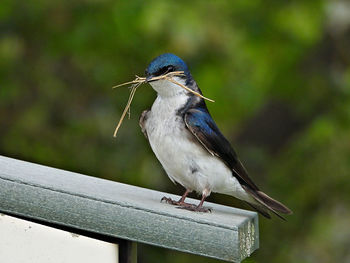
[{"x": 278, "y": 71}]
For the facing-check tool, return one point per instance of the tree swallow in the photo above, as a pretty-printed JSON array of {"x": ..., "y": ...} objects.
[{"x": 190, "y": 146}]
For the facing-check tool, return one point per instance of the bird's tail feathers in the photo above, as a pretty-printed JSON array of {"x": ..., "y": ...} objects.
[
  {"x": 274, "y": 204},
  {"x": 265, "y": 203},
  {"x": 262, "y": 210}
]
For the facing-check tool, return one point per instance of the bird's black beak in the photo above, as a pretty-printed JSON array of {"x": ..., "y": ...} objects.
[{"x": 149, "y": 78}]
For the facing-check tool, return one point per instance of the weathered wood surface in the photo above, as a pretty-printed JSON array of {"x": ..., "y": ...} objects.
[{"x": 81, "y": 202}]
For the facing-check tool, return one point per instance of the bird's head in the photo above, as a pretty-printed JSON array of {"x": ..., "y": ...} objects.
[{"x": 162, "y": 65}]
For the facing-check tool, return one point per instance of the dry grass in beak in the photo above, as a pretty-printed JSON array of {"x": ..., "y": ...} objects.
[
  {"x": 127, "y": 107},
  {"x": 140, "y": 80}
]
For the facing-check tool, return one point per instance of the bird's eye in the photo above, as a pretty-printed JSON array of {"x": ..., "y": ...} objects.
[
  {"x": 170, "y": 69},
  {"x": 164, "y": 70}
]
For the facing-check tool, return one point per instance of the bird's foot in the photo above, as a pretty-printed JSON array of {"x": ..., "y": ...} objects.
[
  {"x": 195, "y": 208},
  {"x": 180, "y": 203}
]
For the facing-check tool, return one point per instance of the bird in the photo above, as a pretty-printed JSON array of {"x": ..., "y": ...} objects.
[{"x": 189, "y": 145}]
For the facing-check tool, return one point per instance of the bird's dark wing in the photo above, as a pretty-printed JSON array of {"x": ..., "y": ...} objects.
[{"x": 203, "y": 127}]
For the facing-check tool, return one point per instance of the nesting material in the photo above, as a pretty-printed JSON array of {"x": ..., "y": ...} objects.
[{"x": 140, "y": 80}]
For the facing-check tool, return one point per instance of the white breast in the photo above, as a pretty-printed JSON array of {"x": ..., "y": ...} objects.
[{"x": 183, "y": 158}]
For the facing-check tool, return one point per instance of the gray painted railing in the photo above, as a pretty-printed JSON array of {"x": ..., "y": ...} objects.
[{"x": 114, "y": 210}]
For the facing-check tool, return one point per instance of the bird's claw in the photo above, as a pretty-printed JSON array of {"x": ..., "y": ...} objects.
[
  {"x": 170, "y": 201},
  {"x": 196, "y": 208},
  {"x": 186, "y": 206}
]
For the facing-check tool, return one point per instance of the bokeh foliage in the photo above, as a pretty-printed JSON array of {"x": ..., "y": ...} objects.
[{"x": 279, "y": 72}]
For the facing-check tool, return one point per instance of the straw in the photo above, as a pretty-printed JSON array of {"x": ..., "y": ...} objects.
[
  {"x": 140, "y": 80},
  {"x": 127, "y": 107}
]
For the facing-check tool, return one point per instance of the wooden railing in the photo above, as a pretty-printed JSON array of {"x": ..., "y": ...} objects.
[{"x": 122, "y": 214}]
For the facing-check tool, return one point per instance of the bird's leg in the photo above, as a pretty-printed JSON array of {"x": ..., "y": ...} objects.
[
  {"x": 181, "y": 202},
  {"x": 200, "y": 207},
  {"x": 183, "y": 197}
]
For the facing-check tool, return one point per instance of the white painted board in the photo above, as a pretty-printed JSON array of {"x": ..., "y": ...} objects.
[{"x": 23, "y": 241}]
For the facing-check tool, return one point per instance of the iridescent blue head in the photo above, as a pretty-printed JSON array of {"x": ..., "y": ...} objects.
[{"x": 164, "y": 64}]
